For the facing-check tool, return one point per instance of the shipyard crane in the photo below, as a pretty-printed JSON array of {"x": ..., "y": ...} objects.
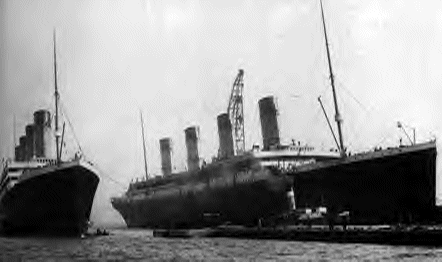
[{"x": 236, "y": 113}]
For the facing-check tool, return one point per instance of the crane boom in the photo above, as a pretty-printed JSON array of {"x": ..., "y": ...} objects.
[{"x": 236, "y": 113}]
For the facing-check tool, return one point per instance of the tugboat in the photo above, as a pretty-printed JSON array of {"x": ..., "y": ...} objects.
[{"x": 43, "y": 194}]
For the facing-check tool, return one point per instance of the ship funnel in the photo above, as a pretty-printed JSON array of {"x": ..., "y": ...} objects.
[
  {"x": 225, "y": 136},
  {"x": 22, "y": 150},
  {"x": 269, "y": 122},
  {"x": 43, "y": 133},
  {"x": 166, "y": 160},
  {"x": 192, "y": 137},
  {"x": 17, "y": 151},
  {"x": 30, "y": 142}
]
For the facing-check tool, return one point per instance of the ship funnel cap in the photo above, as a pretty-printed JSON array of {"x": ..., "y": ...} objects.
[
  {"x": 192, "y": 138},
  {"x": 269, "y": 122}
]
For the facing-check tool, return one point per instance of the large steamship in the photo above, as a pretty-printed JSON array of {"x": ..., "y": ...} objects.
[
  {"x": 39, "y": 191},
  {"x": 392, "y": 185},
  {"x": 238, "y": 188},
  {"x": 383, "y": 186}
]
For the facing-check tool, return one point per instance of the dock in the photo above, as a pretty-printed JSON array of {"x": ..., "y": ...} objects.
[{"x": 387, "y": 235}]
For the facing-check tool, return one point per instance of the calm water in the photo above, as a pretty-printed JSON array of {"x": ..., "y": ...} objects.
[{"x": 139, "y": 245}]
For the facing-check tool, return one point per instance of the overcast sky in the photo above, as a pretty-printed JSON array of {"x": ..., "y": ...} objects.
[{"x": 176, "y": 61}]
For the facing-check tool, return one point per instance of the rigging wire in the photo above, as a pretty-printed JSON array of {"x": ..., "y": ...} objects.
[
  {"x": 318, "y": 111},
  {"x": 71, "y": 126},
  {"x": 316, "y": 120},
  {"x": 108, "y": 176},
  {"x": 350, "y": 128},
  {"x": 341, "y": 85},
  {"x": 353, "y": 134},
  {"x": 369, "y": 112},
  {"x": 383, "y": 139},
  {"x": 64, "y": 110},
  {"x": 64, "y": 113}
]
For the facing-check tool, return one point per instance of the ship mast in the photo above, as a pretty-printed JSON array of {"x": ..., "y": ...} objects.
[
  {"x": 57, "y": 135},
  {"x": 328, "y": 122},
  {"x": 144, "y": 145},
  {"x": 338, "y": 118}
]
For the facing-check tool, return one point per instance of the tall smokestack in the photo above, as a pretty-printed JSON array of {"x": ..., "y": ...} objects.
[
  {"x": 19, "y": 152},
  {"x": 43, "y": 134},
  {"x": 269, "y": 122},
  {"x": 192, "y": 137},
  {"x": 22, "y": 151},
  {"x": 225, "y": 136},
  {"x": 17, "y": 156},
  {"x": 30, "y": 142},
  {"x": 166, "y": 160}
]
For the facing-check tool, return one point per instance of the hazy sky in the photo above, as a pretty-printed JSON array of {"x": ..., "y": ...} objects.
[{"x": 177, "y": 60}]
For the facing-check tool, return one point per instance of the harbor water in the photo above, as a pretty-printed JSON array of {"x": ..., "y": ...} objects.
[{"x": 140, "y": 245}]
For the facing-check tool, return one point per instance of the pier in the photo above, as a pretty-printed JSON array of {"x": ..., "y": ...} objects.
[{"x": 385, "y": 235}]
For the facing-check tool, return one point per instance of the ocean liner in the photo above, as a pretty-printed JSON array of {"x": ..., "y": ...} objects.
[
  {"x": 244, "y": 187},
  {"x": 238, "y": 188},
  {"x": 40, "y": 193},
  {"x": 385, "y": 186}
]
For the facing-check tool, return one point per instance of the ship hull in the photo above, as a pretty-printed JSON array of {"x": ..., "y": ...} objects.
[
  {"x": 382, "y": 187},
  {"x": 241, "y": 202},
  {"x": 395, "y": 186},
  {"x": 56, "y": 200}
]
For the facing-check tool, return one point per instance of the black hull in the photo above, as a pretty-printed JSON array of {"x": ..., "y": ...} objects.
[
  {"x": 385, "y": 189},
  {"x": 55, "y": 202},
  {"x": 240, "y": 203}
]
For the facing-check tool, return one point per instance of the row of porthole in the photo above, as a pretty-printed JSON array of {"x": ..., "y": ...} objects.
[
  {"x": 50, "y": 161},
  {"x": 236, "y": 180},
  {"x": 184, "y": 192}
]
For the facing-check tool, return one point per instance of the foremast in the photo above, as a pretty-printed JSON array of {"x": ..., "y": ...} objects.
[
  {"x": 338, "y": 117},
  {"x": 56, "y": 94}
]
